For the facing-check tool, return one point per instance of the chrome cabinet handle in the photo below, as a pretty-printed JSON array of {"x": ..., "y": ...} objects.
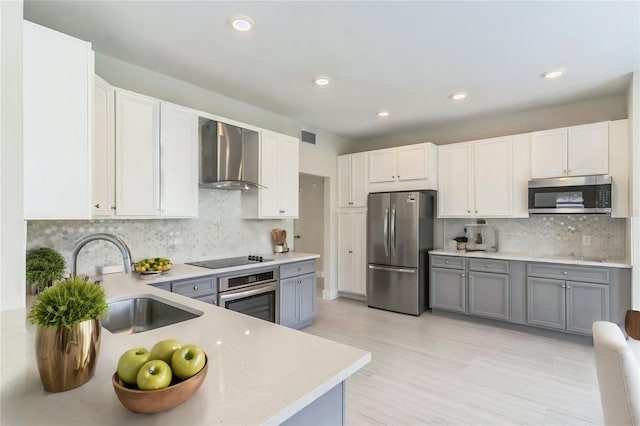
[
  {"x": 563, "y": 286},
  {"x": 350, "y": 251},
  {"x": 97, "y": 206},
  {"x": 565, "y": 272},
  {"x": 195, "y": 287},
  {"x": 463, "y": 275},
  {"x": 568, "y": 286},
  {"x": 488, "y": 266},
  {"x": 281, "y": 211},
  {"x": 446, "y": 261}
]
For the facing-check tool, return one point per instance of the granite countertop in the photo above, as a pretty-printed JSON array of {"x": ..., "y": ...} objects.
[
  {"x": 531, "y": 257},
  {"x": 259, "y": 372}
]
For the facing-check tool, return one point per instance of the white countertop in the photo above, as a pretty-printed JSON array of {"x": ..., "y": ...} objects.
[
  {"x": 531, "y": 257},
  {"x": 259, "y": 372}
]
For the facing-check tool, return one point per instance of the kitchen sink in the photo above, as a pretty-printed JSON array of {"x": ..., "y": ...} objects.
[{"x": 145, "y": 312}]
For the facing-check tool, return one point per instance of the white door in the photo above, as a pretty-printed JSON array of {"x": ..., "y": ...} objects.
[
  {"x": 493, "y": 177},
  {"x": 549, "y": 153},
  {"x": 359, "y": 180},
  {"x": 288, "y": 176},
  {"x": 359, "y": 252},
  {"x": 588, "y": 149},
  {"x": 104, "y": 153},
  {"x": 455, "y": 196},
  {"x": 344, "y": 181},
  {"x": 137, "y": 155},
  {"x": 344, "y": 249},
  {"x": 413, "y": 162},
  {"x": 381, "y": 166},
  {"x": 178, "y": 161}
]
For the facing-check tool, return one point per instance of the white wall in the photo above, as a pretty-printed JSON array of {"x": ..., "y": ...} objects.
[
  {"x": 12, "y": 226},
  {"x": 589, "y": 111},
  {"x": 634, "y": 124}
]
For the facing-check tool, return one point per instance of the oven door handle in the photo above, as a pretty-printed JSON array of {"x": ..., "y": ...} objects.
[{"x": 263, "y": 288}]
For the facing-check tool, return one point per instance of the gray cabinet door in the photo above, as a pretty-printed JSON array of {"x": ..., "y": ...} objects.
[
  {"x": 489, "y": 295},
  {"x": 546, "y": 303},
  {"x": 447, "y": 290},
  {"x": 288, "y": 302},
  {"x": 307, "y": 297},
  {"x": 586, "y": 303}
]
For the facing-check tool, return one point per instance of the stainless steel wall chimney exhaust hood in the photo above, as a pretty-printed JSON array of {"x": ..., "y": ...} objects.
[{"x": 228, "y": 156}]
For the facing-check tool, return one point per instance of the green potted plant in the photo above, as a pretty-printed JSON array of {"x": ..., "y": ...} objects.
[
  {"x": 67, "y": 316},
  {"x": 44, "y": 266}
]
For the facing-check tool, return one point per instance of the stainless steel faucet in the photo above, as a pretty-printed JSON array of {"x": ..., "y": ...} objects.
[{"x": 117, "y": 241}]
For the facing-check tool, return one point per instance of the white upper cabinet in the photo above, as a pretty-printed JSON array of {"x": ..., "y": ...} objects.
[
  {"x": 58, "y": 114},
  {"x": 410, "y": 167},
  {"x": 178, "y": 161},
  {"x": 352, "y": 180},
  {"x": 156, "y": 158},
  {"x": 573, "y": 151},
  {"x": 476, "y": 179},
  {"x": 455, "y": 177},
  {"x": 104, "y": 156},
  {"x": 137, "y": 155},
  {"x": 493, "y": 177},
  {"x": 619, "y": 167},
  {"x": 279, "y": 166}
]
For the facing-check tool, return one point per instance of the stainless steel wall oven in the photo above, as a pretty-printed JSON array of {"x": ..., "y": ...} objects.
[{"x": 256, "y": 293}]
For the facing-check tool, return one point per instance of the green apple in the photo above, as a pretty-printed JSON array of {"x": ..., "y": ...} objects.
[
  {"x": 164, "y": 350},
  {"x": 155, "y": 374},
  {"x": 187, "y": 361},
  {"x": 130, "y": 362}
]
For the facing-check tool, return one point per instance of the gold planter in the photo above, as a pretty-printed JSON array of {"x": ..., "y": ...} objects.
[{"x": 67, "y": 357}]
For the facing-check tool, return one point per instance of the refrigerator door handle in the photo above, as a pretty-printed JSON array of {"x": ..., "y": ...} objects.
[
  {"x": 393, "y": 230},
  {"x": 388, "y": 269},
  {"x": 385, "y": 231}
]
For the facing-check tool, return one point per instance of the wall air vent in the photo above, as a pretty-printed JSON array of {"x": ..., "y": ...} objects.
[{"x": 308, "y": 137}]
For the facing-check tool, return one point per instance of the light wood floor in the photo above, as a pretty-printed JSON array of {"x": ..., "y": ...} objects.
[{"x": 437, "y": 370}]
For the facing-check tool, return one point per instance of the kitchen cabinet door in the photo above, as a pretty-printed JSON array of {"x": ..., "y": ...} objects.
[
  {"x": 521, "y": 174},
  {"x": 352, "y": 180},
  {"x": 58, "y": 72},
  {"x": 412, "y": 162},
  {"x": 178, "y": 161},
  {"x": 489, "y": 295},
  {"x": 586, "y": 303},
  {"x": 352, "y": 261},
  {"x": 279, "y": 165},
  {"x": 307, "y": 298},
  {"x": 381, "y": 166},
  {"x": 546, "y": 305},
  {"x": 455, "y": 174},
  {"x": 588, "y": 149},
  {"x": 619, "y": 148},
  {"x": 288, "y": 302},
  {"x": 448, "y": 290},
  {"x": 493, "y": 177},
  {"x": 298, "y": 300},
  {"x": 104, "y": 153},
  {"x": 549, "y": 153},
  {"x": 137, "y": 155}
]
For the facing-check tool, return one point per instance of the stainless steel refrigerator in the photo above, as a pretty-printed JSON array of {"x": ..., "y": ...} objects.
[{"x": 400, "y": 228}]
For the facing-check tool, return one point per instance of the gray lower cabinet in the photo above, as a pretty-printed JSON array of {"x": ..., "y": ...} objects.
[
  {"x": 297, "y": 294},
  {"x": 489, "y": 295},
  {"x": 447, "y": 289},
  {"x": 567, "y": 304},
  {"x": 204, "y": 288}
]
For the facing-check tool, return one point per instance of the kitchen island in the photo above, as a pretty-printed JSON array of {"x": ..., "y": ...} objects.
[{"x": 259, "y": 372}]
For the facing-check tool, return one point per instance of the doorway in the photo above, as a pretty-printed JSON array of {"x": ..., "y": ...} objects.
[{"x": 308, "y": 229}]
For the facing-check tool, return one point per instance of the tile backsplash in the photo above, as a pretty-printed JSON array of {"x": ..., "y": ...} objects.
[
  {"x": 558, "y": 235},
  {"x": 219, "y": 231}
]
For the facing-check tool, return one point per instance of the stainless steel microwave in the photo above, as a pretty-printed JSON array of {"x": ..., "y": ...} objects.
[{"x": 571, "y": 195}]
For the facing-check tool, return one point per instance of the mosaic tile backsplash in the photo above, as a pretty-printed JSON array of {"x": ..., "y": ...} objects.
[
  {"x": 555, "y": 235},
  {"x": 218, "y": 232}
]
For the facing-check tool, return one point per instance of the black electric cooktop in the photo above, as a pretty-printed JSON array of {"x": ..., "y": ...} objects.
[{"x": 229, "y": 262}]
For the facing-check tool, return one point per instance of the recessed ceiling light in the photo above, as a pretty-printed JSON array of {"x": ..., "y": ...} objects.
[
  {"x": 458, "y": 96},
  {"x": 241, "y": 22},
  {"x": 322, "y": 81},
  {"x": 383, "y": 114},
  {"x": 554, "y": 73}
]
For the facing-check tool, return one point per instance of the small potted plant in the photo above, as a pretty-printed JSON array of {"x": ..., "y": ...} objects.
[
  {"x": 44, "y": 266},
  {"x": 67, "y": 316}
]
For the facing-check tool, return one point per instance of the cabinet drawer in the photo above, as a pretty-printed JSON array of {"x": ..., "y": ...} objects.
[
  {"x": 163, "y": 286},
  {"x": 196, "y": 287},
  {"x": 451, "y": 262},
  {"x": 298, "y": 268},
  {"x": 212, "y": 299},
  {"x": 489, "y": 265},
  {"x": 565, "y": 272}
]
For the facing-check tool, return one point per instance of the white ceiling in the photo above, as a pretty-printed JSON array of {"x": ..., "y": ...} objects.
[{"x": 405, "y": 57}]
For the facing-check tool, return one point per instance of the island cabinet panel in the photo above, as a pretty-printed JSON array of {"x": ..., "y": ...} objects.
[
  {"x": 163, "y": 286},
  {"x": 297, "y": 294},
  {"x": 329, "y": 409},
  {"x": 196, "y": 288},
  {"x": 489, "y": 295}
]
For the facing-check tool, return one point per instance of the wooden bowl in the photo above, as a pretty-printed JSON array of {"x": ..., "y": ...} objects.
[{"x": 154, "y": 401}]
